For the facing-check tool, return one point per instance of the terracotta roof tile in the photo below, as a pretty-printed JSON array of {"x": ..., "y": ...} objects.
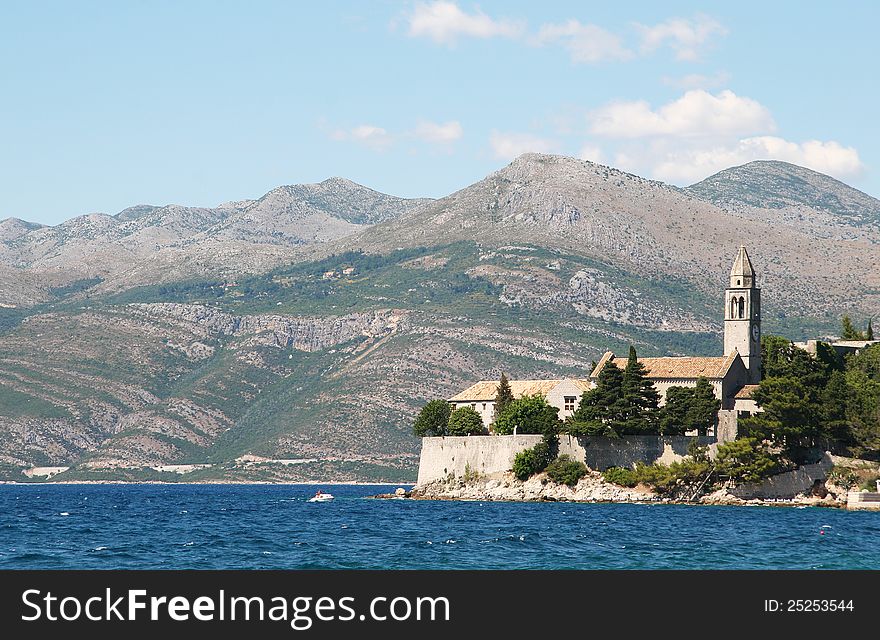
[
  {"x": 746, "y": 392},
  {"x": 486, "y": 390},
  {"x": 677, "y": 367}
]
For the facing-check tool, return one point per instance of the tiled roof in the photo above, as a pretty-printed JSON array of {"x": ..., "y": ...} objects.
[
  {"x": 746, "y": 392},
  {"x": 486, "y": 390},
  {"x": 677, "y": 367}
]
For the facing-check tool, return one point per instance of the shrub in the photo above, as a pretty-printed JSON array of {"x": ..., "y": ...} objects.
[
  {"x": 620, "y": 476},
  {"x": 531, "y": 461},
  {"x": 870, "y": 482},
  {"x": 464, "y": 421},
  {"x": 843, "y": 477},
  {"x": 565, "y": 470}
]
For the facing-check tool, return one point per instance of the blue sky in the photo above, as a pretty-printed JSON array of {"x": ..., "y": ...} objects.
[{"x": 110, "y": 104}]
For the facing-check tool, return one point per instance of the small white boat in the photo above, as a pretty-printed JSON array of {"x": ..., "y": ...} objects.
[{"x": 321, "y": 497}]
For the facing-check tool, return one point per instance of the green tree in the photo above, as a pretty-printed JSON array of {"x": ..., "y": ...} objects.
[
  {"x": 869, "y": 332},
  {"x": 781, "y": 359},
  {"x": 834, "y": 414},
  {"x": 602, "y": 410},
  {"x": 689, "y": 409},
  {"x": 529, "y": 414},
  {"x": 640, "y": 398},
  {"x": 465, "y": 421},
  {"x": 863, "y": 410},
  {"x": 674, "y": 414},
  {"x": 704, "y": 411},
  {"x": 789, "y": 412},
  {"x": 433, "y": 419},
  {"x": 848, "y": 331},
  {"x": 504, "y": 396},
  {"x": 746, "y": 460}
]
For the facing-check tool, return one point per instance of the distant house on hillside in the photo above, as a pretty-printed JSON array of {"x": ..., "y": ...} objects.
[{"x": 734, "y": 375}]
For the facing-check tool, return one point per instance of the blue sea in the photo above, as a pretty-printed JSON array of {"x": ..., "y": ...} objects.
[{"x": 274, "y": 527}]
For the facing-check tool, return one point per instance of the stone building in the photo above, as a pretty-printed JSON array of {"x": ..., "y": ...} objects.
[
  {"x": 562, "y": 394},
  {"x": 733, "y": 375}
]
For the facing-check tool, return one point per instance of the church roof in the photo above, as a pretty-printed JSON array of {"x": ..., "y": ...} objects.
[
  {"x": 677, "y": 367},
  {"x": 742, "y": 266},
  {"x": 745, "y": 392},
  {"x": 486, "y": 390}
]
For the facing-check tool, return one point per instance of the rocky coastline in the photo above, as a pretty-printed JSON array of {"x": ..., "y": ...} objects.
[{"x": 504, "y": 487}]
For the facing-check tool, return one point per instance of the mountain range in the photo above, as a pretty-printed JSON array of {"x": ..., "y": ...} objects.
[{"x": 294, "y": 337}]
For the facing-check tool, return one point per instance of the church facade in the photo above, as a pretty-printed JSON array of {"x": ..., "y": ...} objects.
[{"x": 734, "y": 375}]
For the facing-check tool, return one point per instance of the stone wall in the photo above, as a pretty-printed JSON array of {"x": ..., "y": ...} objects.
[
  {"x": 788, "y": 484},
  {"x": 455, "y": 455}
]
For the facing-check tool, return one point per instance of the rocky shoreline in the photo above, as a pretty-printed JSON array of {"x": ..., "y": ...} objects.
[{"x": 504, "y": 487}]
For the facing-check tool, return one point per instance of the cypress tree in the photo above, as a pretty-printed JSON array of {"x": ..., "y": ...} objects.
[
  {"x": 869, "y": 332},
  {"x": 504, "y": 396},
  {"x": 601, "y": 410},
  {"x": 704, "y": 408},
  {"x": 848, "y": 331},
  {"x": 640, "y": 397}
]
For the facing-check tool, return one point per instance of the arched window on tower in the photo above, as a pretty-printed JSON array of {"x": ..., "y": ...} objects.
[
  {"x": 742, "y": 307},
  {"x": 733, "y": 307}
]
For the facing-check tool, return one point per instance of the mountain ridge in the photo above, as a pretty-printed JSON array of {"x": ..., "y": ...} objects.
[
  {"x": 773, "y": 184},
  {"x": 237, "y": 345}
]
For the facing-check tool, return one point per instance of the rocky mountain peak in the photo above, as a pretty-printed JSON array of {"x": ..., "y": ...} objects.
[{"x": 772, "y": 184}]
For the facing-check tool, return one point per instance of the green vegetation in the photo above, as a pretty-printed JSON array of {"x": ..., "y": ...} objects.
[
  {"x": 17, "y": 403},
  {"x": 823, "y": 401},
  {"x": 565, "y": 470},
  {"x": 640, "y": 398},
  {"x": 465, "y": 421},
  {"x": 504, "y": 397},
  {"x": 529, "y": 414},
  {"x": 849, "y": 332},
  {"x": 622, "y": 403},
  {"x": 76, "y": 286},
  {"x": 743, "y": 460},
  {"x": 530, "y": 461},
  {"x": 433, "y": 419},
  {"x": 689, "y": 409}
]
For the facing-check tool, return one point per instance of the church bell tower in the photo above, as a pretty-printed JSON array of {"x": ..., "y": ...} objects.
[{"x": 742, "y": 315}]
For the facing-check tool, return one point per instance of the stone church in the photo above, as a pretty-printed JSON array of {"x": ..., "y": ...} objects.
[{"x": 733, "y": 375}]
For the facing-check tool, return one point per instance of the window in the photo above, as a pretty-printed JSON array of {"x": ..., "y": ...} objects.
[
  {"x": 569, "y": 403},
  {"x": 484, "y": 406},
  {"x": 474, "y": 406}
]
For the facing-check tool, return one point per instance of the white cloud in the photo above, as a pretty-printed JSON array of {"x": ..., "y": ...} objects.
[
  {"x": 586, "y": 43},
  {"x": 507, "y": 146},
  {"x": 685, "y": 166},
  {"x": 438, "y": 133},
  {"x": 700, "y": 134},
  {"x": 698, "y": 81},
  {"x": 444, "y": 22},
  {"x": 696, "y": 113},
  {"x": 366, "y": 134},
  {"x": 686, "y": 37},
  {"x": 592, "y": 153}
]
